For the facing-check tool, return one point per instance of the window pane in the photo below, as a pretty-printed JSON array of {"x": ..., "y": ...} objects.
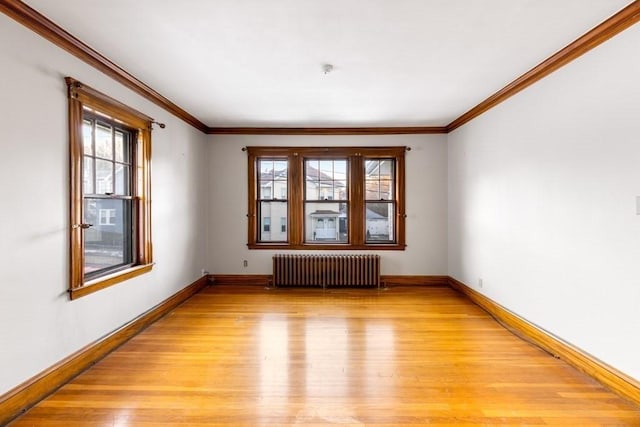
[
  {"x": 326, "y": 190},
  {"x": 105, "y": 244},
  {"x": 312, "y": 170},
  {"x": 280, "y": 190},
  {"x": 379, "y": 176},
  {"x": 340, "y": 170},
  {"x": 326, "y": 180},
  {"x": 122, "y": 180},
  {"x": 87, "y": 175},
  {"x": 266, "y": 190},
  {"x": 266, "y": 169},
  {"x": 386, "y": 169},
  {"x": 272, "y": 179},
  {"x": 386, "y": 189},
  {"x": 312, "y": 191},
  {"x": 104, "y": 144},
  {"x": 373, "y": 190},
  {"x": 267, "y": 231},
  {"x": 379, "y": 224},
  {"x": 122, "y": 148},
  {"x": 104, "y": 177},
  {"x": 326, "y": 169},
  {"x": 86, "y": 137},
  {"x": 372, "y": 169},
  {"x": 326, "y": 222},
  {"x": 280, "y": 169},
  {"x": 340, "y": 190}
]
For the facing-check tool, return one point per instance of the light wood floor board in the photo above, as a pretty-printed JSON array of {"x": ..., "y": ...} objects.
[{"x": 405, "y": 356}]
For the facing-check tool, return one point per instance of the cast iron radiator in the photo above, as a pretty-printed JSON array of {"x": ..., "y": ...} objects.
[{"x": 326, "y": 270}]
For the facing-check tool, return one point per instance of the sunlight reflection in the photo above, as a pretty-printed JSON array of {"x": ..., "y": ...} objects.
[
  {"x": 273, "y": 364},
  {"x": 379, "y": 359},
  {"x": 326, "y": 353},
  {"x": 274, "y": 357},
  {"x": 121, "y": 419}
]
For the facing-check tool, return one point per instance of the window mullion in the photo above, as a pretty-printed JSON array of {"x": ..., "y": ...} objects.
[
  {"x": 399, "y": 199},
  {"x": 296, "y": 201},
  {"x": 356, "y": 199},
  {"x": 94, "y": 176},
  {"x": 113, "y": 160},
  {"x": 252, "y": 207}
]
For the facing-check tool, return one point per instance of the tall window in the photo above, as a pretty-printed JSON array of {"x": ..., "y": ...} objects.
[
  {"x": 336, "y": 197},
  {"x": 380, "y": 202},
  {"x": 326, "y": 201},
  {"x": 107, "y": 191},
  {"x": 110, "y": 188},
  {"x": 272, "y": 197}
]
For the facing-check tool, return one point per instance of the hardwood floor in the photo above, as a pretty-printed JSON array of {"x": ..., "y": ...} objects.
[{"x": 405, "y": 356}]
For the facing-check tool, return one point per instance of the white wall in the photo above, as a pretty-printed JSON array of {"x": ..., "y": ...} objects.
[
  {"x": 542, "y": 203},
  {"x": 426, "y": 196},
  {"x": 39, "y": 325}
]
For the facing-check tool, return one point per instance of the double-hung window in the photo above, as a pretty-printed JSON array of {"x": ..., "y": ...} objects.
[
  {"x": 380, "y": 202},
  {"x": 326, "y": 198},
  {"x": 272, "y": 198},
  {"x": 110, "y": 149},
  {"x": 107, "y": 192}
]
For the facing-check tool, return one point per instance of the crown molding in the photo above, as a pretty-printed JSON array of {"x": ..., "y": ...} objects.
[
  {"x": 42, "y": 25},
  {"x": 603, "y": 32},
  {"x": 326, "y": 131}
]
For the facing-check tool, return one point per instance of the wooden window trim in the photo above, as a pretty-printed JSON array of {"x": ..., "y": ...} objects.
[
  {"x": 356, "y": 157},
  {"x": 81, "y": 96}
]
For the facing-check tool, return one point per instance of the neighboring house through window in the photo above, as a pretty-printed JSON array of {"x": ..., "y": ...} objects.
[{"x": 107, "y": 217}]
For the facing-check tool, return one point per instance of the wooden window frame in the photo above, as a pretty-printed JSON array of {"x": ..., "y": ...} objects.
[
  {"x": 83, "y": 97},
  {"x": 357, "y": 221}
]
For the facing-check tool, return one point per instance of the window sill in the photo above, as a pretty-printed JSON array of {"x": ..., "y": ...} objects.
[
  {"x": 92, "y": 286},
  {"x": 329, "y": 247}
]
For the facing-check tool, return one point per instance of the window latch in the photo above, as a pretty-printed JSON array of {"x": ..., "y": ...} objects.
[{"x": 83, "y": 226}]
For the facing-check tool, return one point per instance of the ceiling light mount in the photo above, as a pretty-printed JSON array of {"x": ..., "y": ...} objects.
[{"x": 327, "y": 68}]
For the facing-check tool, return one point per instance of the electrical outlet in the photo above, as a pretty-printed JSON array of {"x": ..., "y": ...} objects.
[
  {"x": 245, "y": 263},
  {"x": 480, "y": 283}
]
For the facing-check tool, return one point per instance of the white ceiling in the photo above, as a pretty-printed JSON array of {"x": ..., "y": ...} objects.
[{"x": 259, "y": 63}]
